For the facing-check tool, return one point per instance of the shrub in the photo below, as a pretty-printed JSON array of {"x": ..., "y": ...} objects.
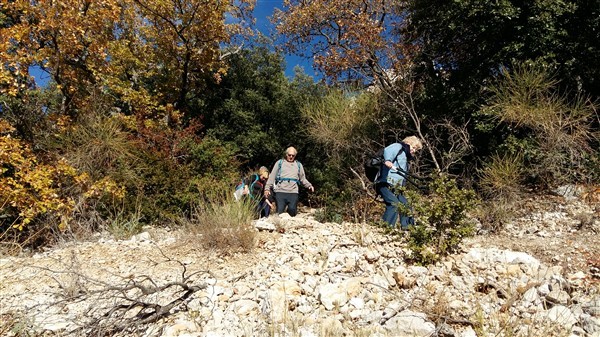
[
  {"x": 164, "y": 169},
  {"x": 495, "y": 213},
  {"x": 441, "y": 220},
  {"x": 501, "y": 177},
  {"x": 101, "y": 146},
  {"x": 344, "y": 200},
  {"x": 214, "y": 166},
  {"x": 555, "y": 130},
  {"x": 42, "y": 195},
  {"x": 122, "y": 225},
  {"x": 341, "y": 122},
  {"x": 28, "y": 188},
  {"x": 223, "y": 223},
  {"x": 500, "y": 180},
  {"x": 105, "y": 150},
  {"x": 175, "y": 180}
]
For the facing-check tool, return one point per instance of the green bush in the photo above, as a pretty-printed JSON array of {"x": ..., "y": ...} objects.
[
  {"x": 501, "y": 178},
  {"x": 501, "y": 181},
  {"x": 441, "y": 220},
  {"x": 554, "y": 132}
]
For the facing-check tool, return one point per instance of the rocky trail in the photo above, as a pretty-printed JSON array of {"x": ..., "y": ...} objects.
[{"x": 537, "y": 277}]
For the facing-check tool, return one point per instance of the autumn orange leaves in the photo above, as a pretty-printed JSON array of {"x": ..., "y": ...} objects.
[{"x": 118, "y": 45}]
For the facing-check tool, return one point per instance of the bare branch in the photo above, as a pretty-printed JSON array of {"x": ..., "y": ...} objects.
[{"x": 124, "y": 303}]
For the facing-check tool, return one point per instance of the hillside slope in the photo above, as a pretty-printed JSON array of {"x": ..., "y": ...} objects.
[{"x": 535, "y": 278}]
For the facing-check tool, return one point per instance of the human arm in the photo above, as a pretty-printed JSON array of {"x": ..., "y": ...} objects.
[
  {"x": 304, "y": 181},
  {"x": 395, "y": 158},
  {"x": 271, "y": 180}
]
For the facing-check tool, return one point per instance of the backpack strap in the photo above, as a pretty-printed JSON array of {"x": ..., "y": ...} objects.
[
  {"x": 399, "y": 151},
  {"x": 251, "y": 185},
  {"x": 395, "y": 158},
  {"x": 279, "y": 179}
]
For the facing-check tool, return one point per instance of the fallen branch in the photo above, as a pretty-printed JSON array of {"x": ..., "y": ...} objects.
[{"x": 124, "y": 304}]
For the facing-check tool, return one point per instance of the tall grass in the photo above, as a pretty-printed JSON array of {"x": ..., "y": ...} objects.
[
  {"x": 502, "y": 176},
  {"x": 556, "y": 129},
  {"x": 224, "y": 224}
]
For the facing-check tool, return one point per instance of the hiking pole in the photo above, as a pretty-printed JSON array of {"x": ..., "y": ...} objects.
[{"x": 407, "y": 176}]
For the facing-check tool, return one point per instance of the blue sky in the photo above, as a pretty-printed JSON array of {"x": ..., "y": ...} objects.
[{"x": 262, "y": 11}]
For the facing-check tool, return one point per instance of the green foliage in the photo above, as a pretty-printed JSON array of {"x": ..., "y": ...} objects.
[
  {"x": 464, "y": 46},
  {"x": 331, "y": 195},
  {"x": 552, "y": 133},
  {"x": 163, "y": 194},
  {"x": 501, "y": 177},
  {"x": 469, "y": 40},
  {"x": 256, "y": 108},
  {"x": 170, "y": 188},
  {"x": 441, "y": 220},
  {"x": 214, "y": 164}
]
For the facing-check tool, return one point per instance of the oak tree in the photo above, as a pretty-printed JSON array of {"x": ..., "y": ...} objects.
[{"x": 148, "y": 53}]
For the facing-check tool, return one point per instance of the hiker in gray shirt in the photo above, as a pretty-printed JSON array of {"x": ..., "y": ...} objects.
[{"x": 286, "y": 176}]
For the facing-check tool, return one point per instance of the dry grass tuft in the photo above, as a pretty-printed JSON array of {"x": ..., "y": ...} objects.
[
  {"x": 501, "y": 177},
  {"x": 560, "y": 125},
  {"x": 224, "y": 224}
]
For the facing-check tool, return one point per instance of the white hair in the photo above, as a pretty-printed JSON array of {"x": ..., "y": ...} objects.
[
  {"x": 414, "y": 142},
  {"x": 291, "y": 150}
]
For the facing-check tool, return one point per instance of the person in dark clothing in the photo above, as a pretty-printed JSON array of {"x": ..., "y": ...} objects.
[{"x": 253, "y": 187}]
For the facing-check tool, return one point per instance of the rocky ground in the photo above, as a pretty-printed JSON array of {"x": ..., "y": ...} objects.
[
  {"x": 555, "y": 230},
  {"x": 537, "y": 277}
]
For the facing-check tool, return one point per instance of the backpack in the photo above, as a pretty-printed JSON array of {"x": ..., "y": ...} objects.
[
  {"x": 239, "y": 188},
  {"x": 278, "y": 177},
  {"x": 373, "y": 163}
]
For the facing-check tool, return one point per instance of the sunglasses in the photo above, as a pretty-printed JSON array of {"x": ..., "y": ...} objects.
[{"x": 291, "y": 155}]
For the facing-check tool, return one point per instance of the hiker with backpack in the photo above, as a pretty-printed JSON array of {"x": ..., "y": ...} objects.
[
  {"x": 253, "y": 187},
  {"x": 285, "y": 178},
  {"x": 393, "y": 174}
]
